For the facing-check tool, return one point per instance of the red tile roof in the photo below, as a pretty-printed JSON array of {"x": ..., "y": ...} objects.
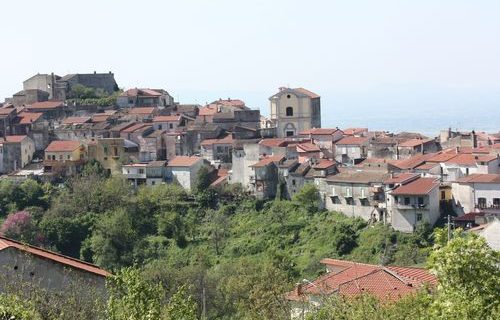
[
  {"x": 135, "y": 127},
  {"x": 183, "y": 161},
  {"x": 229, "y": 102},
  {"x": 323, "y": 164},
  {"x": 350, "y": 140},
  {"x": 63, "y": 146},
  {"x": 273, "y": 142},
  {"x": 207, "y": 111},
  {"x": 46, "y": 105},
  {"x": 401, "y": 178},
  {"x": 354, "y": 131},
  {"x": 266, "y": 161},
  {"x": 29, "y": 117},
  {"x": 167, "y": 118},
  {"x": 349, "y": 278},
  {"x": 100, "y": 117},
  {"x": 411, "y": 162},
  {"x": 308, "y": 147},
  {"x": 15, "y": 139},
  {"x": 308, "y": 93},
  {"x": 7, "y": 111},
  {"x": 480, "y": 178},
  {"x": 6, "y": 243},
  {"x": 226, "y": 140},
  {"x": 420, "y": 186}
]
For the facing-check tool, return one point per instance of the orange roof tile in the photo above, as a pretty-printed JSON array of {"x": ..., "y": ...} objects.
[
  {"x": 412, "y": 143},
  {"x": 29, "y": 117},
  {"x": 58, "y": 258},
  {"x": 350, "y": 140},
  {"x": 419, "y": 186},
  {"x": 354, "y": 131},
  {"x": 183, "y": 161},
  {"x": 76, "y": 120},
  {"x": 166, "y": 118},
  {"x": 63, "y": 146},
  {"x": 480, "y": 178},
  {"x": 320, "y": 131},
  {"x": 308, "y": 147},
  {"x": 308, "y": 93},
  {"x": 46, "y": 105},
  {"x": 273, "y": 142},
  {"x": 266, "y": 161},
  {"x": 142, "y": 110},
  {"x": 15, "y": 139}
]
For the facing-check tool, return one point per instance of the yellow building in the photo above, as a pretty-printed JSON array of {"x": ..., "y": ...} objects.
[
  {"x": 110, "y": 152},
  {"x": 64, "y": 157},
  {"x": 295, "y": 110}
]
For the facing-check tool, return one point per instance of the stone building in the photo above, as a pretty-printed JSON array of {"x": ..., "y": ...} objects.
[
  {"x": 110, "y": 152},
  {"x": 184, "y": 170},
  {"x": 133, "y": 98},
  {"x": 295, "y": 110},
  {"x": 16, "y": 152}
]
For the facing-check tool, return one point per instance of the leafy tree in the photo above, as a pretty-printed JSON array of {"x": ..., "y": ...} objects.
[
  {"x": 203, "y": 179},
  {"x": 113, "y": 240},
  {"x": 469, "y": 277},
  {"x": 31, "y": 194},
  {"x": 8, "y": 196},
  {"x": 308, "y": 197},
  {"x": 218, "y": 229},
  {"x": 20, "y": 226},
  {"x": 14, "y": 307},
  {"x": 181, "y": 306},
  {"x": 132, "y": 297}
]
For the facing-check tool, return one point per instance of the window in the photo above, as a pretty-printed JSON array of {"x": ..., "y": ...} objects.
[
  {"x": 481, "y": 202},
  {"x": 171, "y": 125},
  {"x": 443, "y": 195},
  {"x": 407, "y": 201},
  {"x": 141, "y": 171},
  {"x": 131, "y": 101},
  {"x": 419, "y": 217},
  {"x": 293, "y": 182},
  {"x": 289, "y": 133},
  {"x": 115, "y": 151},
  {"x": 68, "y": 157},
  {"x": 289, "y": 111},
  {"x": 496, "y": 202},
  {"x": 106, "y": 150},
  {"x": 350, "y": 201},
  {"x": 60, "y": 157},
  {"x": 420, "y": 201},
  {"x": 159, "y": 127},
  {"x": 153, "y": 183},
  {"x": 466, "y": 171},
  {"x": 288, "y": 96},
  {"x": 53, "y": 157},
  {"x": 396, "y": 199}
]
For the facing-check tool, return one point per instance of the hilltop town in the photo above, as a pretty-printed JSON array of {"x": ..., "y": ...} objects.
[
  {"x": 237, "y": 204},
  {"x": 52, "y": 127}
]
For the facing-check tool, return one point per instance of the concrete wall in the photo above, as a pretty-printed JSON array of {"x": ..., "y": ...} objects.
[
  {"x": 242, "y": 160},
  {"x": 302, "y": 118},
  {"x": 404, "y": 218}
]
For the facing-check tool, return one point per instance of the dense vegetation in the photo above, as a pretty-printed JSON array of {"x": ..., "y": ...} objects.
[{"x": 227, "y": 255}]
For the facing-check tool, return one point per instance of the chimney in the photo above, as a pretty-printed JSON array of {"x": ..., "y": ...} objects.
[{"x": 474, "y": 139}]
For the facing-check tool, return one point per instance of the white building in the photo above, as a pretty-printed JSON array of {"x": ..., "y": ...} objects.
[
  {"x": 477, "y": 192},
  {"x": 151, "y": 173},
  {"x": 413, "y": 201},
  {"x": 184, "y": 170}
]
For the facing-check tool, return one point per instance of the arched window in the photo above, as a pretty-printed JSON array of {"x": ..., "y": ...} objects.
[{"x": 289, "y": 111}]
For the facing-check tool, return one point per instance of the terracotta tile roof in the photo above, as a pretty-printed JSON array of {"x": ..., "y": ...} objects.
[
  {"x": 29, "y": 117},
  {"x": 427, "y": 166},
  {"x": 411, "y": 162},
  {"x": 349, "y": 278},
  {"x": 469, "y": 217},
  {"x": 100, "y": 117},
  {"x": 401, "y": 178},
  {"x": 207, "y": 111},
  {"x": 266, "y": 161},
  {"x": 183, "y": 161},
  {"x": 419, "y": 186},
  {"x": 135, "y": 127},
  {"x": 412, "y": 143},
  {"x": 15, "y": 139},
  {"x": 308, "y": 93},
  {"x": 7, "y": 111},
  {"x": 354, "y": 131},
  {"x": 46, "y": 105},
  {"x": 480, "y": 178},
  {"x": 52, "y": 256},
  {"x": 166, "y": 118},
  {"x": 221, "y": 177},
  {"x": 229, "y": 102},
  {"x": 324, "y": 164},
  {"x": 273, "y": 142},
  {"x": 142, "y": 110},
  {"x": 308, "y": 147},
  {"x": 351, "y": 140},
  {"x": 76, "y": 120},
  {"x": 226, "y": 140},
  {"x": 63, "y": 146}
]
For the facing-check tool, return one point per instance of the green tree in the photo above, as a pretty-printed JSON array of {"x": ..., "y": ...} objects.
[
  {"x": 469, "y": 277},
  {"x": 132, "y": 297},
  {"x": 181, "y": 306},
  {"x": 308, "y": 197}
]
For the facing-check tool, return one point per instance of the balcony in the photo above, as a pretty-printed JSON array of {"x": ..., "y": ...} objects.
[{"x": 401, "y": 206}]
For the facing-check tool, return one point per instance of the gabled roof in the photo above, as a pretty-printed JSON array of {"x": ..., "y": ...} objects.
[
  {"x": 351, "y": 140},
  {"x": 15, "y": 139},
  {"x": 135, "y": 127},
  {"x": 411, "y": 162},
  {"x": 323, "y": 164},
  {"x": 63, "y": 146},
  {"x": 183, "y": 161},
  {"x": 46, "y": 105},
  {"x": 266, "y": 161},
  {"x": 273, "y": 142},
  {"x": 306, "y": 92},
  {"x": 401, "y": 178},
  {"x": 141, "y": 92},
  {"x": 29, "y": 117},
  {"x": 226, "y": 140},
  {"x": 100, "y": 117},
  {"x": 207, "y": 111},
  {"x": 174, "y": 118},
  {"x": 419, "y": 186},
  {"x": 480, "y": 178},
  {"x": 354, "y": 131},
  {"x": 349, "y": 278},
  {"x": 308, "y": 147},
  {"x": 6, "y": 243},
  {"x": 298, "y": 91}
]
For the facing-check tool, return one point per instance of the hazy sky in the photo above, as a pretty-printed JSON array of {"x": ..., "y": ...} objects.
[{"x": 365, "y": 58}]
